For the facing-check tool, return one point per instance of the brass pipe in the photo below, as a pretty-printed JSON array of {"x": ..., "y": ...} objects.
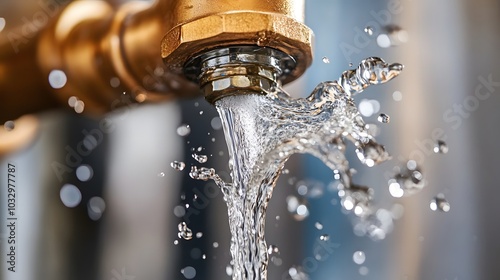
[{"x": 141, "y": 48}]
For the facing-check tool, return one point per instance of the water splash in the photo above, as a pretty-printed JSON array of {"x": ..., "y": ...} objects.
[
  {"x": 184, "y": 231},
  {"x": 263, "y": 131}
]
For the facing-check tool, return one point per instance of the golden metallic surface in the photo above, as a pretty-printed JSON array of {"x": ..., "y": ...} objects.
[
  {"x": 105, "y": 50},
  {"x": 204, "y": 25}
]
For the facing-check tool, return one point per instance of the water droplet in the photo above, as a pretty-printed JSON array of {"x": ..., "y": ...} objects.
[
  {"x": 57, "y": 79},
  {"x": 229, "y": 270},
  {"x": 9, "y": 125},
  {"x": 364, "y": 270},
  {"x": 369, "y": 30},
  {"x": 79, "y": 106},
  {"x": 277, "y": 261},
  {"x": 273, "y": 249},
  {"x": 2, "y": 23},
  {"x": 216, "y": 123},
  {"x": 200, "y": 158},
  {"x": 326, "y": 60},
  {"x": 318, "y": 226},
  {"x": 70, "y": 195},
  {"x": 84, "y": 173},
  {"x": 384, "y": 118},
  {"x": 199, "y": 234},
  {"x": 324, "y": 237},
  {"x": 114, "y": 82},
  {"x": 204, "y": 256},
  {"x": 201, "y": 112},
  {"x": 408, "y": 181},
  {"x": 440, "y": 147},
  {"x": 440, "y": 203},
  {"x": 350, "y": 64},
  {"x": 179, "y": 211},
  {"x": 96, "y": 207},
  {"x": 202, "y": 173},
  {"x": 372, "y": 153},
  {"x": 178, "y": 165},
  {"x": 359, "y": 257},
  {"x": 72, "y": 101},
  {"x": 176, "y": 242},
  {"x": 161, "y": 174},
  {"x": 183, "y": 130},
  {"x": 397, "y": 96},
  {"x": 184, "y": 232},
  {"x": 215, "y": 245},
  {"x": 297, "y": 208},
  {"x": 189, "y": 272}
]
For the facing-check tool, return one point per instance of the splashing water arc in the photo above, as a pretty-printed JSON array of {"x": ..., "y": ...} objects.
[{"x": 263, "y": 131}]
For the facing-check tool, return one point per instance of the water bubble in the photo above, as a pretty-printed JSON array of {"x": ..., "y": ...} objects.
[
  {"x": 2, "y": 23},
  {"x": 440, "y": 203},
  {"x": 70, "y": 195},
  {"x": 177, "y": 165},
  {"x": 189, "y": 272},
  {"x": 184, "y": 232},
  {"x": 326, "y": 60},
  {"x": 273, "y": 249},
  {"x": 397, "y": 96},
  {"x": 57, "y": 79},
  {"x": 440, "y": 147},
  {"x": 384, "y": 118},
  {"x": 359, "y": 257},
  {"x": 318, "y": 226},
  {"x": 200, "y": 158},
  {"x": 84, "y": 172},
  {"x": 369, "y": 30},
  {"x": 9, "y": 125},
  {"x": 183, "y": 130},
  {"x": 324, "y": 237}
]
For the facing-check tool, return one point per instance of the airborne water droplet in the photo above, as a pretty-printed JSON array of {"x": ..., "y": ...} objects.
[
  {"x": 177, "y": 165},
  {"x": 318, "y": 226},
  {"x": 326, "y": 60},
  {"x": 200, "y": 158},
  {"x": 324, "y": 237},
  {"x": 440, "y": 147},
  {"x": 359, "y": 257},
  {"x": 184, "y": 232},
  {"x": 440, "y": 203},
  {"x": 183, "y": 130},
  {"x": 369, "y": 30},
  {"x": 273, "y": 249},
  {"x": 9, "y": 125},
  {"x": 384, "y": 118}
]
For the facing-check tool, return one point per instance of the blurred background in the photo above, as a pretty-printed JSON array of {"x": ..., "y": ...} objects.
[{"x": 112, "y": 212}]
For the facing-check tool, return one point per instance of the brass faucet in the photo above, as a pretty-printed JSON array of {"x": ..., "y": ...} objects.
[{"x": 147, "y": 50}]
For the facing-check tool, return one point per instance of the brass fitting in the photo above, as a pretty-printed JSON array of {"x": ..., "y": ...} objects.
[
  {"x": 201, "y": 26},
  {"x": 104, "y": 51}
]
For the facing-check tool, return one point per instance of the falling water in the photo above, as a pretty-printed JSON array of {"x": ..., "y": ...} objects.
[{"x": 263, "y": 131}]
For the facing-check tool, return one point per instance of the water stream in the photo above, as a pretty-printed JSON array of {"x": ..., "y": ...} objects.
[{"x": 263, "y": 131}]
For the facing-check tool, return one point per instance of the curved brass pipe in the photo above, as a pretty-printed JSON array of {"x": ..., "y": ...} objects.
[{"x": 140, "y": 49}]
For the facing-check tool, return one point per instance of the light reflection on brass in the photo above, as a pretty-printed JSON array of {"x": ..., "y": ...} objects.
[{"x": 93, "y": 43}]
